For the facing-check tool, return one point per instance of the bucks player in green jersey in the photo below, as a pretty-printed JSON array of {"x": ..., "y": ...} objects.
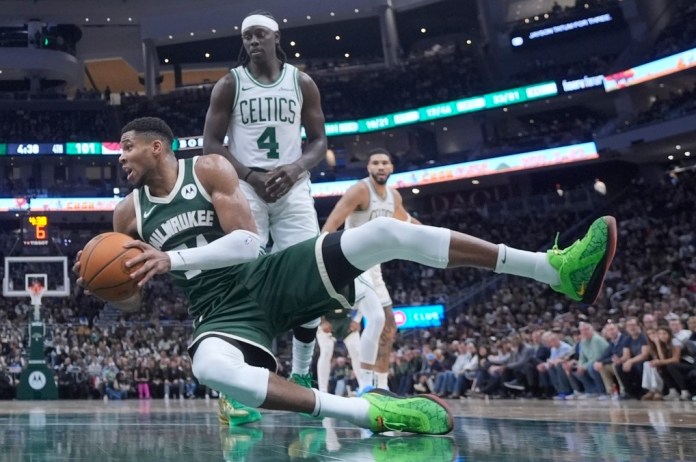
[
  {"x": 189, "y": 218},
  {"x": 260, "y": 106}
]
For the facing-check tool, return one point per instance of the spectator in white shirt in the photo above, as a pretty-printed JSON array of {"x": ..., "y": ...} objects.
[
  {"x": 465, "y": 368},
  {"x": 552, "y": 370}
]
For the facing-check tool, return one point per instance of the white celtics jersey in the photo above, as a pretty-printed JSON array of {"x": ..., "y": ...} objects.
[
  {"x": 264, "y": 131},
  {"x": 378, "y": 207}
]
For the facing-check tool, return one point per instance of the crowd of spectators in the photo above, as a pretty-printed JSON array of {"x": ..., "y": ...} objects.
[
  {"x": 513, "y": 338},
  {"x": 183, "y": 110},
  {"x": 25, "y": 125},
  {"x": 547, "y": 129},
  {"x": 444, "y": 72},
  {"x": 447, "y": 73},
  {"x": 678, "y": 103},
  {"x": 680, "y": 33}
]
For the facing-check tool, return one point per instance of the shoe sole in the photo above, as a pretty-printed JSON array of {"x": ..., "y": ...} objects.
[
  {"x": 443, "y": 404},
  {"x": 597, "y": 279}
]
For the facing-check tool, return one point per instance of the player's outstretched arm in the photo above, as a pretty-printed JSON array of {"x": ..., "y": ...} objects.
[{"x": 355, "y": 198}]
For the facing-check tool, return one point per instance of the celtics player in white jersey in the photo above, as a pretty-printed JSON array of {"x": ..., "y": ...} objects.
[
  {"x": 261, "y": 105},
  {"x": 190, "y": 219},
  {"x": 371, "y": 198}
]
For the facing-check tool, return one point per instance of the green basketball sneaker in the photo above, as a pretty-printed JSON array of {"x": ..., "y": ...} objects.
[
  {"x": 232, "y": 413},
  {"x": 583, "y": 265},
  {"x": 425, "y": 414},
  {"x": 303, "y": 380}
]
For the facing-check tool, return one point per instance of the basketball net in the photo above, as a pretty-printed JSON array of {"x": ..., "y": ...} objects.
[{"x": 36, "y": 291}]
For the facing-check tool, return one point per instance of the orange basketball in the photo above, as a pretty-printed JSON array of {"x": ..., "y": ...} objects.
[{"x": 103, "y": 267}]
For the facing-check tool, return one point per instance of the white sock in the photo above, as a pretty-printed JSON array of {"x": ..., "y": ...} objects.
[
  {"x": 354, "y": 410},
  {"x": 366, "y": 378},
  {"x": 302, "y": 356},
  {"x": 382, "y": 380},
  {"x": 533, "y": 265}
]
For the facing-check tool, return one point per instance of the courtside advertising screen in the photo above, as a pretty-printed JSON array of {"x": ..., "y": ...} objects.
[
  {"x": 413, "y": 317},
  {"x": 650, "y": 71}
]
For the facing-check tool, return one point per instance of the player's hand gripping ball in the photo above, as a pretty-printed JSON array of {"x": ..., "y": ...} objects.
[{"x": 103, "y": 267}]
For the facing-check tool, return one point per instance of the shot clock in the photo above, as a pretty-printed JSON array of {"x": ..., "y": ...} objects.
[{"x": 35, "y": 230}]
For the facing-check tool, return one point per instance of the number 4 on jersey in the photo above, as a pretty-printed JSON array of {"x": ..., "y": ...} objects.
[{"x": 267, "y": 140}]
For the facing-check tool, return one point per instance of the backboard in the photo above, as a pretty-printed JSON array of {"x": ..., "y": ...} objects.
[{"x": 21, "y": 272}]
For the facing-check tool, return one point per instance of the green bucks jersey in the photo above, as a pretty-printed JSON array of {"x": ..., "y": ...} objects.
[
  {"x": 184, "y": 219},
  {"x": 251, "y": 302}
]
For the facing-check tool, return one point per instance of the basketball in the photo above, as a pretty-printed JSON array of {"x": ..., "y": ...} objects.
[{"x": 103, "y": 267}]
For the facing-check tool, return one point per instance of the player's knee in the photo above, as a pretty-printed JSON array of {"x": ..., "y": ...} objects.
[
  {"x": 390, "y": 231},
  {"x": 214, "y": 360},
  {"x": 382, "y": 225},
  {"x": 204, "y": 368}
]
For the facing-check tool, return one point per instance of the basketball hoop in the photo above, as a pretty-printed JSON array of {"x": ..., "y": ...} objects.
[{"x": 36, "y": 291}]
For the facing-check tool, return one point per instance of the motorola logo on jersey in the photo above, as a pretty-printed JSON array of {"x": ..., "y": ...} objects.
[{"x": 189, "y": 191}]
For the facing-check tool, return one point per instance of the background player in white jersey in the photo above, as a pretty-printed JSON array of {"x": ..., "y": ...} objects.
[
  {"x": 260, "y": 105},
  {"x": 371, "y": 198}
]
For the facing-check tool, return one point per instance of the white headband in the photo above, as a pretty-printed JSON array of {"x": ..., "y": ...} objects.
[{"x": 259, "y": 20}]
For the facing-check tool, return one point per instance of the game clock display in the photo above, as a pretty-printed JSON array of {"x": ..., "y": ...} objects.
[
  {"x": 35, "y": 230},
  {"x": 35, "y": 149}
]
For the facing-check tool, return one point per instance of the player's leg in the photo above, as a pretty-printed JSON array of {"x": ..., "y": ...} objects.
[
  {"x": 386, "y": 344},
  {"x": 220, "y": 365},
  {"x": 576, "y": 271},
  {"x": 326, "y": 348},
  {"x": 368, "y": 304},
  {"x": 293, "y": 219},
  {"x": 388, "y": 335},
  {"x": 352, "y": 343},
  {"x": 303, "y": 342},
  {"x": 231, "y": 411}
]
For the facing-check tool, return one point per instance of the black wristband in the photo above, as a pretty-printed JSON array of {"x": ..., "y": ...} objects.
[{"x": 247, "y": 175}]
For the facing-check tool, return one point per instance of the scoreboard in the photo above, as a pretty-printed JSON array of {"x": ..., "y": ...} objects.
[{"x": 35, "y": 230}]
